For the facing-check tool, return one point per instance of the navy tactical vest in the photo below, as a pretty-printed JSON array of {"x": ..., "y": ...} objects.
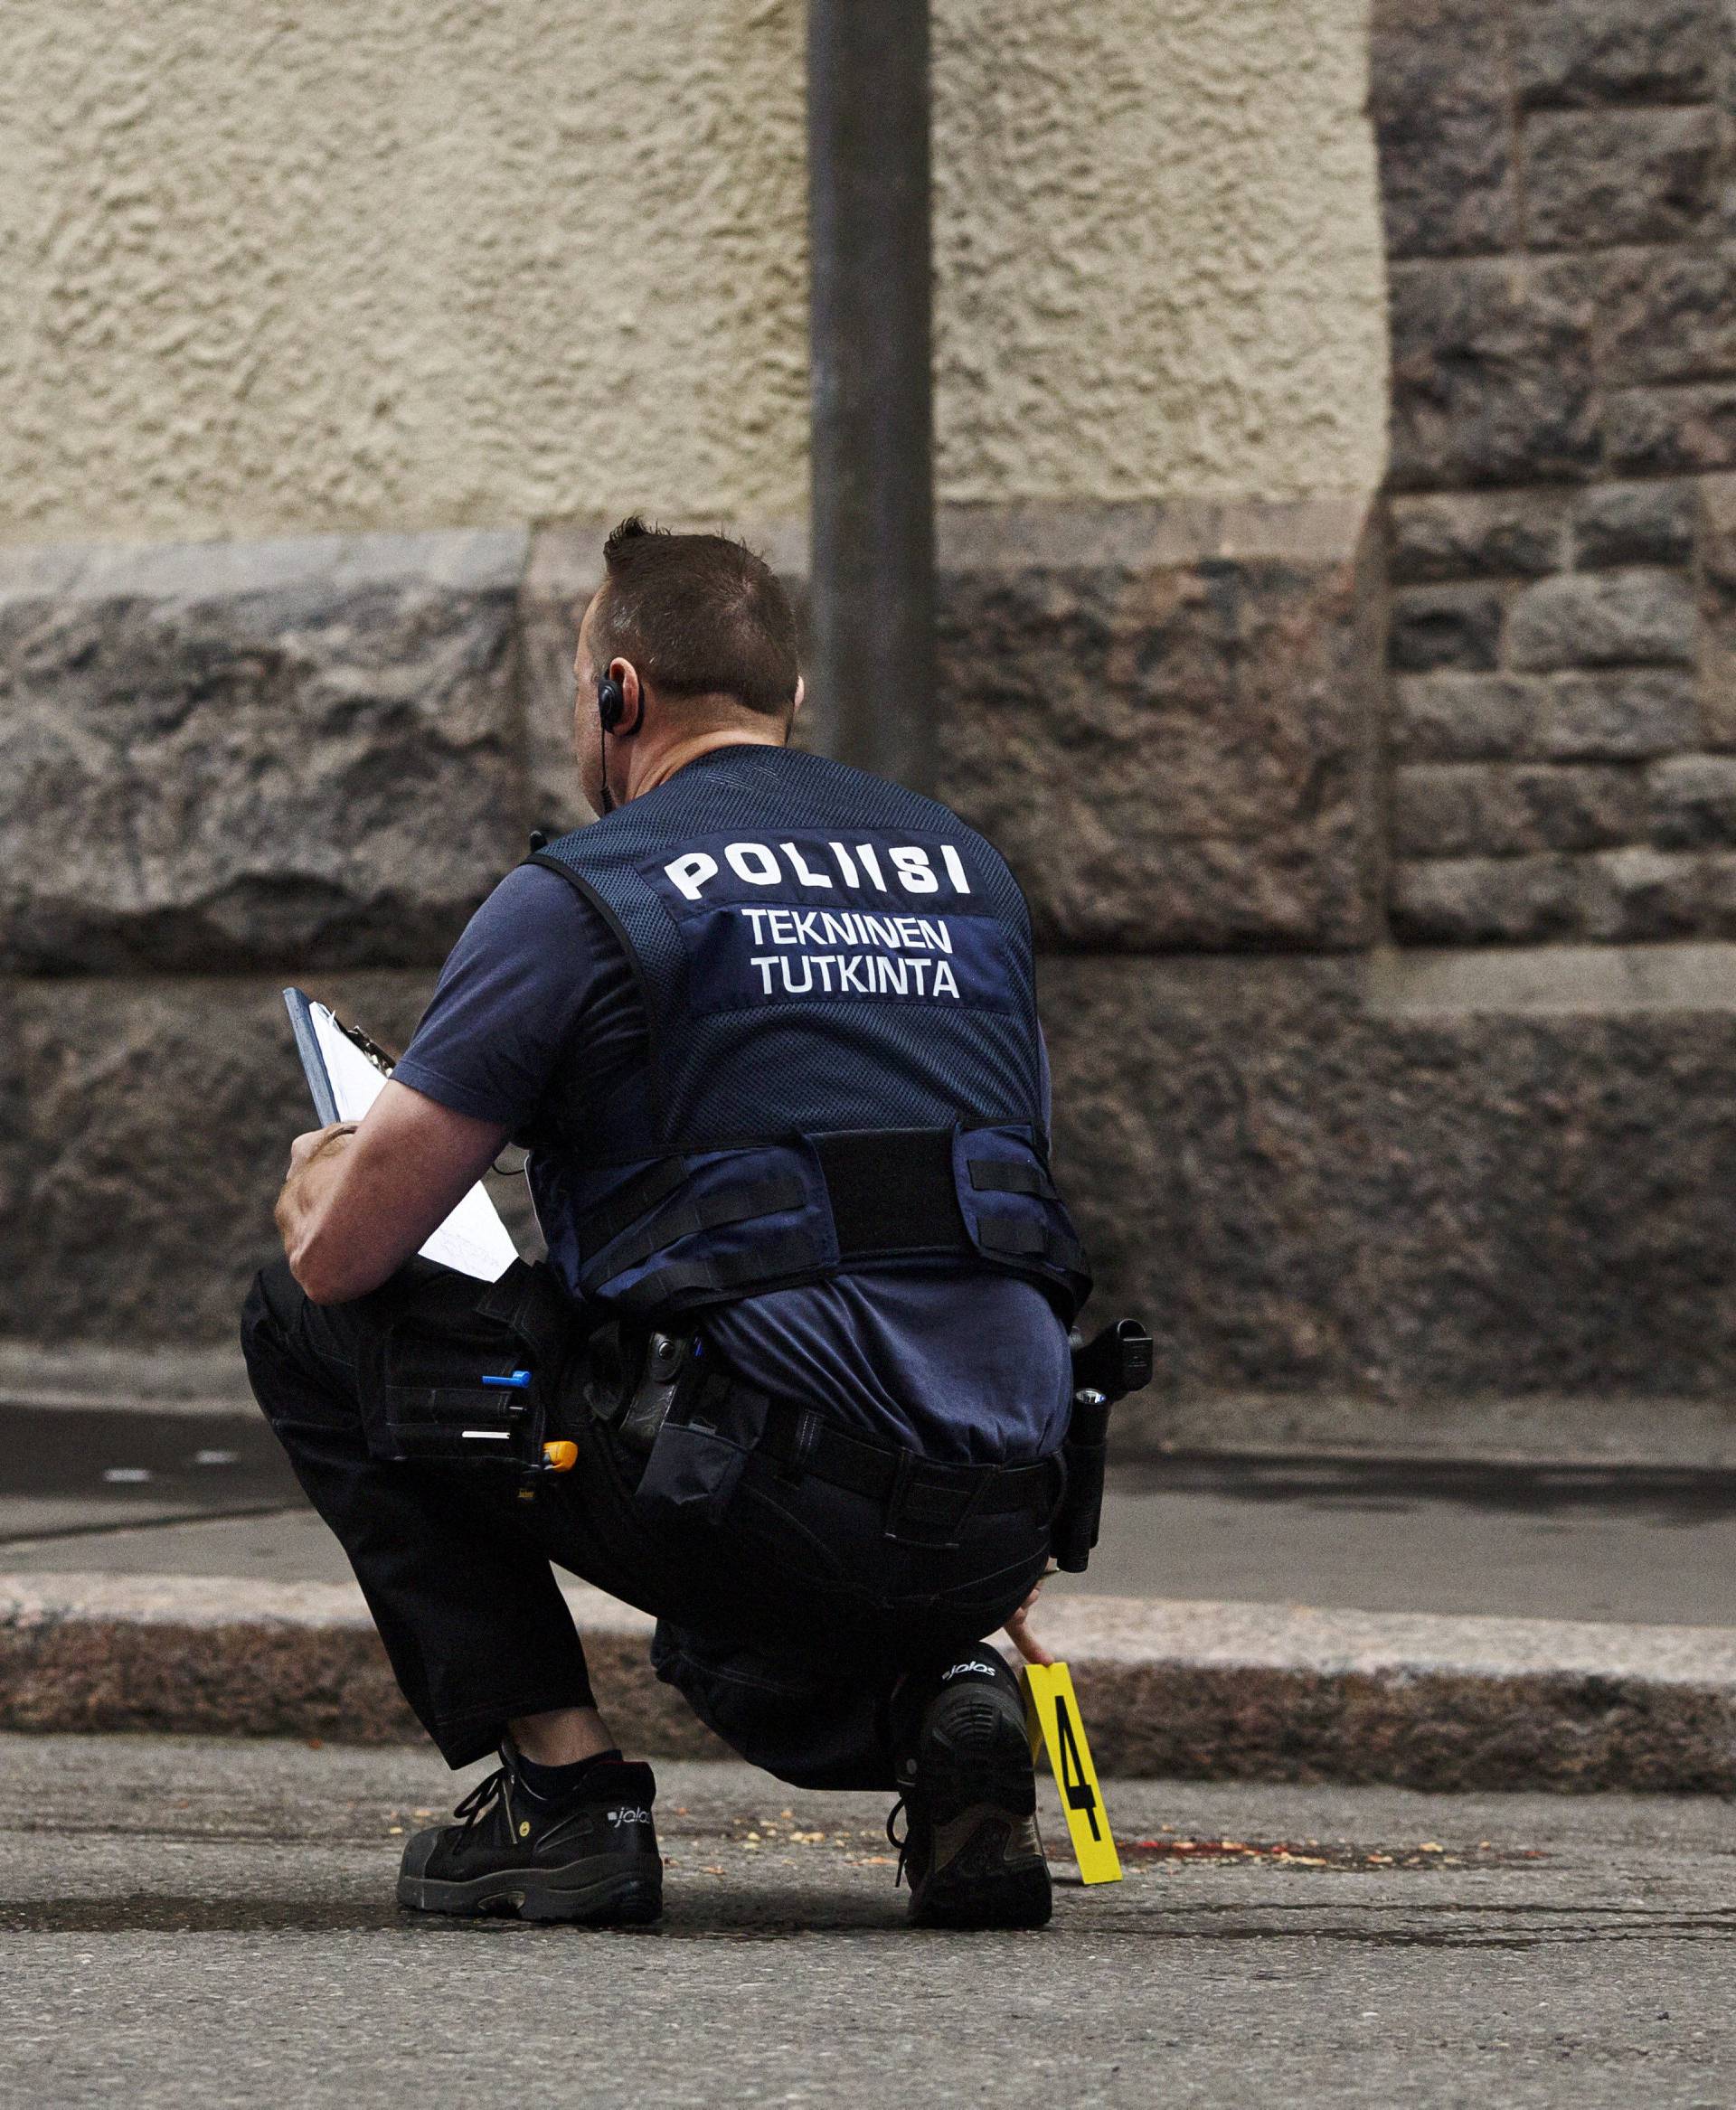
[{"x": 845, "y": 1064}]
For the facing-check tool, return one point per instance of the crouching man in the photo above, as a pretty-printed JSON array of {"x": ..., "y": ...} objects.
[{"x": 768, "y": 1031}]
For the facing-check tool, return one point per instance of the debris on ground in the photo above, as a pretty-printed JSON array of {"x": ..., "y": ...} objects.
[{"x": 1314, "y": 1853}]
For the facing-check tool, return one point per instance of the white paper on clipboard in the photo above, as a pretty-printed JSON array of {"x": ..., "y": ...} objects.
[{"x": 473, "y": 1239}]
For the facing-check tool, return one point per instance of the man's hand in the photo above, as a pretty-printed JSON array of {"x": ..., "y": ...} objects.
[
  {"x": 1018, "y": 1628},
  {"x": 361, "y": 1197}
]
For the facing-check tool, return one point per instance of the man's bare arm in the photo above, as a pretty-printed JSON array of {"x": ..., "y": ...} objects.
[{"x": 360, "y": 1199}]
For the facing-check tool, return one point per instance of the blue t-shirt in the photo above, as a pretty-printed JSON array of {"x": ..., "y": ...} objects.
[{"x": 959, "y": 1363}]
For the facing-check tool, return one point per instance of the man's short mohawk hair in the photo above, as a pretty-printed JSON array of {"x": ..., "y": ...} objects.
[
  {"x": 697, "y": 615},
  {"x": 628, "y": 531}
]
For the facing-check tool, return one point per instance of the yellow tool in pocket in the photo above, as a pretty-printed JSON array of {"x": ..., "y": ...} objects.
[{"x": 1051, "y": 1711}]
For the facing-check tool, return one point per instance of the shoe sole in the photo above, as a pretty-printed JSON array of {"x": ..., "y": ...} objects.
[
  {"x": 1016, "y": 1895},
  {"x": 979, "y": 1767},
  {"x": 580, "y": 1894}
]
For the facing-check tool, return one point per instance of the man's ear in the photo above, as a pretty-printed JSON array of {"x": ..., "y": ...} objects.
[{"x": 801, "y": 698}]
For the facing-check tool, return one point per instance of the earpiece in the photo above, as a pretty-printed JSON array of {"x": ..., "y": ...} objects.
[
  {"x": 611, "y": 704},
  {"x": 611, "y": 708}
]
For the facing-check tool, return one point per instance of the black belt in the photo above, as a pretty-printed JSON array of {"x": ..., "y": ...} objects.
[
  {"x": 924, "y": 1499},
  {"x": 799, "y": 1440}
]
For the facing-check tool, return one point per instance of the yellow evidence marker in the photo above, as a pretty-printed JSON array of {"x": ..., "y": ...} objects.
[{"x": 1052, "y": 1711}]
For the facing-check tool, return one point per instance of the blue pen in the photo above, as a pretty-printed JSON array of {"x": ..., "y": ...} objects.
[{"x": 518, "y": 1382}]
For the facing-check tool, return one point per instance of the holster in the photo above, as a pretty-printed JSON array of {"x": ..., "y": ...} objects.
[
  {"x": 694, "y": 1424},
  {"x": 1117, "y": 1362},
  {"x": 1074, "y": 1531},
  {"x": 633, "y": 1375}
]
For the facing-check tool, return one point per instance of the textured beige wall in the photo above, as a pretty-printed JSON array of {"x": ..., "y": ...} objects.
[
  {"x": 1160, "y": 244},
  {"x": 401, "y": 262}
]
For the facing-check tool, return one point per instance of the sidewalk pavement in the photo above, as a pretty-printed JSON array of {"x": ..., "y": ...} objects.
[
  {"x": 1435, "y": 1624},
  {"x": 187, "y": 1924}
]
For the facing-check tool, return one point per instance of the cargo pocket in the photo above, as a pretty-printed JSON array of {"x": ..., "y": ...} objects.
[
  {"x": 426, "y": 1397},
  {"x": 429, "y": 1401}
]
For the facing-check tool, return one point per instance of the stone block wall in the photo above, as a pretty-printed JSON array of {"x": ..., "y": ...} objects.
[
  {"x": 1557, "y": 183},
  {"x": 1345, "y": 1197},
  {"x": 1165, "y": 717},
  {"x": 226, "y": 755}
]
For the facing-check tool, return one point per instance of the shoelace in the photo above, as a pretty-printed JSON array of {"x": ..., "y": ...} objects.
[
  {"x": 903, "y": 1845},
  {"x": 482, "y": 1798}
]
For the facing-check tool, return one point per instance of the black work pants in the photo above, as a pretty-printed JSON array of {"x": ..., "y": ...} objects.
[{"x": 785, "y": 1622}]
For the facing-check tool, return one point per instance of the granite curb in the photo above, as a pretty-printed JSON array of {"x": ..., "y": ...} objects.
[{"x": 1168, "y": 1688}]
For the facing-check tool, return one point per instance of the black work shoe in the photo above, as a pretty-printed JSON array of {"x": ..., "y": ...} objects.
[
  {"x": 971, "y": 1848},
  {"x": 589, "y": 1855}
]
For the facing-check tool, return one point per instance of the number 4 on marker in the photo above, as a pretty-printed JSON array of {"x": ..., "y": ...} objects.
[{"x": 1055, "y": 1726}]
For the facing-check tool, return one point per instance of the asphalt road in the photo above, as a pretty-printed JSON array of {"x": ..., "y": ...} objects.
[{"x": 190, "y": 1924}]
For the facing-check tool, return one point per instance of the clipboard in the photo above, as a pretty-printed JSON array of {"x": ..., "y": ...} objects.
[
  {"x": 346, "y": 1072},
  {"x": 313, "y": 1063}
]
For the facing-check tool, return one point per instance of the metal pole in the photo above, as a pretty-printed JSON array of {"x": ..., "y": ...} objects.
[{"x": 872, "y": 495}]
